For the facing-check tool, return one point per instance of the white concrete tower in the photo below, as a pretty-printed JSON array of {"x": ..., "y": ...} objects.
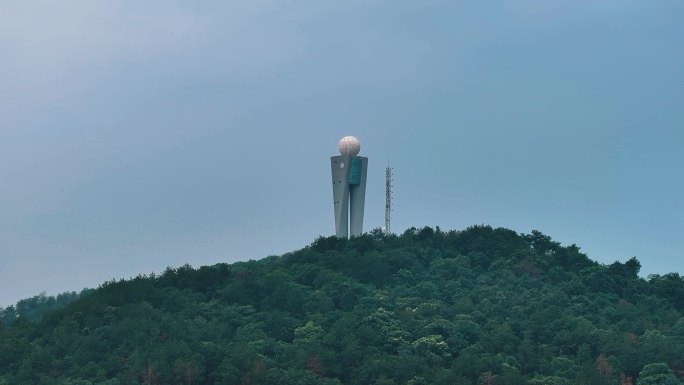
[{"x": 349, "y": 173}]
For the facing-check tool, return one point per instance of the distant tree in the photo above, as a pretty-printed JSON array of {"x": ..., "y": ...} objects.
[
  {"x": 549, "y": 380},
  {"x": 632, "y": 267},
  {"x": 308, "y": 334},
  {"x": 432, "y": 347},
  {"x": 487, "y": 378},
  {"x": 657, "y": 374},
  {"x": 563, "y": 366},
  {"x": 625, "y": 379},
  {"x": 69, "y": 381},
  {"x": 186, "y": 371},
  {"x": 670, "y": 286},
  {"x": 604, "y": 367},
  {"x": 541, "y": 243},
  {"x": 150, "y": 374}
]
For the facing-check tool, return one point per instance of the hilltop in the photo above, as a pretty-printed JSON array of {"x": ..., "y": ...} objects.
[{"x": 477, "y": 306}]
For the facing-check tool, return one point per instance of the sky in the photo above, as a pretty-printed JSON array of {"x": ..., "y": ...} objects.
[{"x": 140, "y": 135}]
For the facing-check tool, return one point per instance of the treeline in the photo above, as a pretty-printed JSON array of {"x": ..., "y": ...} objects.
[
  {"x": 33, "y": 308},
  {"x": 478, "y": 306}
]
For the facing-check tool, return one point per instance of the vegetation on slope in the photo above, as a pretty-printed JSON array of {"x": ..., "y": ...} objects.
[
  {"x": 479, "y": 306},
  {"x": 33, "y": 308}
]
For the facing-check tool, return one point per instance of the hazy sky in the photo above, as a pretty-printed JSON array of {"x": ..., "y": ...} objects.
[{"x": 139, "y": 135}]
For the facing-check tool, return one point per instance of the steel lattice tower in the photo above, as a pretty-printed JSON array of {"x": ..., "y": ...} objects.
[{"x": 388, "y": 198}]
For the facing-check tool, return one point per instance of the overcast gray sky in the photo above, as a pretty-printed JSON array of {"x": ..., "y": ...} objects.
[{"x": 139, "y": 135}]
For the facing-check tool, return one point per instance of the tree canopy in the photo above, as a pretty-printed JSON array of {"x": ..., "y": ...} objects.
[{"x": 478, "y": 306}]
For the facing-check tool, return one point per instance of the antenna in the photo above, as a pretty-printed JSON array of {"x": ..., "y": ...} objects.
[{"x": 388, "y": 198}]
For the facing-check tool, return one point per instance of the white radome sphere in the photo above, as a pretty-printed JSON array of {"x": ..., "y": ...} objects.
[{"x": 349, "y": 145}]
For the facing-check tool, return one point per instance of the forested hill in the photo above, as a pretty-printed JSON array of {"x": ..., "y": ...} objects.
[{"x": 478, "y": 306}]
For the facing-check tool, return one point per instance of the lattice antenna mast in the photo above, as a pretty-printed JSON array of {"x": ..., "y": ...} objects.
[{"x": 388, "y": 198}]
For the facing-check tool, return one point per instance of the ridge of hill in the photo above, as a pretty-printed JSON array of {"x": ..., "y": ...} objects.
[
  {"x": 33, "y": 308},
  {"x": 477, "y": 306}
]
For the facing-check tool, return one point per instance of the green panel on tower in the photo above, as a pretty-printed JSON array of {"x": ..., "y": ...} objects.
[{"x": 354, "y": 175}]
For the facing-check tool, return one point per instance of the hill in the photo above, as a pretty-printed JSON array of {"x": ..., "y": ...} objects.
[{"x": 478, "y": 306}]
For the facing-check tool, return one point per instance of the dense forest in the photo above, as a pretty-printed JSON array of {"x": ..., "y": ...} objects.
[
  {"x": 478, "y": 306},
  {"x": 33, "y": 308}
]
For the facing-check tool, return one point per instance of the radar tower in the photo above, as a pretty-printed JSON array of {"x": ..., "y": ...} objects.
[{"x": 349, "y": 172}]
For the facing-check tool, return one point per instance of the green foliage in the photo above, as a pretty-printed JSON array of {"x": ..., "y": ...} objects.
[
  {"x": 479, "y": 306},
  {"x": 657, "y": 374},
  {"x": 550, "y": 380},
  {"x": 33, "y": 308}
]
